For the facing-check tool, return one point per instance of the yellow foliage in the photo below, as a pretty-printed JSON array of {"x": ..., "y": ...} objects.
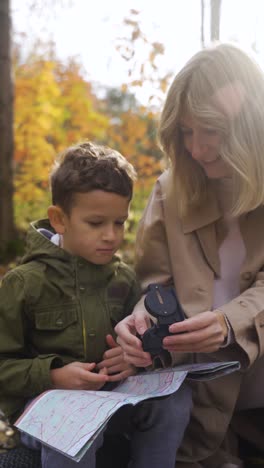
[
  {"x": 54, "y": 107},
  {"x": 131, "y": 136}
]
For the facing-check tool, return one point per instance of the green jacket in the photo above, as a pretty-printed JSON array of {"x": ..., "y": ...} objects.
[{"x": 55, "y": 309}]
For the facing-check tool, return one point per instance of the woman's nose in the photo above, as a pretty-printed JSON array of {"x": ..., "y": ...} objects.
[{"x": 198, "y": 147}]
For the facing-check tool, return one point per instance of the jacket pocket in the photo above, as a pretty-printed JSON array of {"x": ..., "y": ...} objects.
[
  {"x": 57, "y": 330},
  {"x": 56, "y": 319}
]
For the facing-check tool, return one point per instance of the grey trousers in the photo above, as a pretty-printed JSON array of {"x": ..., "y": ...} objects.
[{"x": 155, "y": 428}]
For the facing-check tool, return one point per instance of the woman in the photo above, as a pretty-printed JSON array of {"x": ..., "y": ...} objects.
[{"x": 203, "y": 230}]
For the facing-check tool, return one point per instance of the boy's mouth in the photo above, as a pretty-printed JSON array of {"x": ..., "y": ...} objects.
[{"x": 106, "y": 251}]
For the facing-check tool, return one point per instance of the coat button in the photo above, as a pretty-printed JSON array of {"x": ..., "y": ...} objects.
[
  {"x": 59, "y": 322},
  {"x": 242, "y": 303},
  {"x": 82, "y": 288},
  {"x": 247, "y": 275}
]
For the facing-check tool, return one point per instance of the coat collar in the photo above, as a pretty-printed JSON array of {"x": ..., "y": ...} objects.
[
  {"x": 198, "y": 217},
  {"x": 202, "y": 221},
  {"x": 202, "y": 216}
]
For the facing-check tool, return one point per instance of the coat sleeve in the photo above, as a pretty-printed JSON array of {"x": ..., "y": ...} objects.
[
  {"x": 245, "y": 312},
  {"x": 20, "y": 374},
  {"x": 246, "y": 316},
  {"x": 152, "y": 262}
]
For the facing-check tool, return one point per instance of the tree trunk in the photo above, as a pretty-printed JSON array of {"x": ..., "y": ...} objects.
[
  {"x": 215, "y": 19},
  {"x": 7, "y": 229},
  {"x": 202, "y": 25}
]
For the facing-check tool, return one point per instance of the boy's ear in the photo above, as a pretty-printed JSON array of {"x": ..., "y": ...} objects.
[{"x": 56, "y": 219}]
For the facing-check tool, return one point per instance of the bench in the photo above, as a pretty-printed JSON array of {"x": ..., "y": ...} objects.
[{"x": 20, "y": 457}]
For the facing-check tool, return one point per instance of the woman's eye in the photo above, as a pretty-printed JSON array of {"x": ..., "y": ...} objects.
[
  {"x": 210, "y": 131},
  {"x": 186, "y": 131}
]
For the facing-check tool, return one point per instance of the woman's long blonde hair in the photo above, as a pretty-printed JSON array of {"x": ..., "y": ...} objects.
[{"x": 221, "y": 88}]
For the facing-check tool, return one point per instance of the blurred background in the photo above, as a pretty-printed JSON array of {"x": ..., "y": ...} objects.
[{"x": 80, "y": 69}]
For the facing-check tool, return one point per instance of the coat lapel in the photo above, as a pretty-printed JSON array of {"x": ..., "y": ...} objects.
[
  {"x": 202, "y": 220},
  {"x": 252, "y": 229}
]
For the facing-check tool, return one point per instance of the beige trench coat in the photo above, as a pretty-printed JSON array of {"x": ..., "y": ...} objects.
[{"x": 186, "y": 253}]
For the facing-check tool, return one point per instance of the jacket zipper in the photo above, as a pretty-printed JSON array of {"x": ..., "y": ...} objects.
[{"x": 84, "y": 338}]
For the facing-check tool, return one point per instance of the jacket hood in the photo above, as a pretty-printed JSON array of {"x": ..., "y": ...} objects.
[{"x": 40, "y": 248}]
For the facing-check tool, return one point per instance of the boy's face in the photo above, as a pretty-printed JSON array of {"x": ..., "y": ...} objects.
[{"x": 94, "y": 229}]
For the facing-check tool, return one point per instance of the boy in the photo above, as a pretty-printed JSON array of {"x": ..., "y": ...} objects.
[{"x": 59, "y": 308}]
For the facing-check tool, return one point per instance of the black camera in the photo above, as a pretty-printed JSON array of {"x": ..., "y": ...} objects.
[{"x": 163, "y": 304}]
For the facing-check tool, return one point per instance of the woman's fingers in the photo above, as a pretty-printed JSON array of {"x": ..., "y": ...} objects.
[
  {"x": 92, "y": 377},
  {"x": 197, "y": 334},
  {"x": 129, "y": 342},
  {"x": 111, "y": 341},
  {"x": 122, "y": 375},
  {"x": 110, "y": 362},
  {"x": 142, "y": 322}
]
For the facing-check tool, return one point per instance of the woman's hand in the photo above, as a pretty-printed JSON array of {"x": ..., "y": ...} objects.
[
  {"x": 79, "y": 376},
  {"x": 113, "y": 361},
  {"x": 203, "y": 333},
  {"x": 126, "y": 330}
]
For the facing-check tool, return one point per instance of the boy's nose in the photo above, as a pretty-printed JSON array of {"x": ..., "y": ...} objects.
[{"x": 109, "y": 233}]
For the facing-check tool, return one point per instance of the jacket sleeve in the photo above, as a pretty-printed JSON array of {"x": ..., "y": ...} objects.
[{"x": 20, "y": 374}]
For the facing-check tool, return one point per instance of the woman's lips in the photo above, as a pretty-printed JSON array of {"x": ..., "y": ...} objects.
[{"x": 211, "y": 161}]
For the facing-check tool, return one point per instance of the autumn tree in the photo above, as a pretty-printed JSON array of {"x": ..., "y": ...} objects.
[
  {"x": 132, "y": 131},
  {"x": 215, "y": 19},
  {"x": 202, "y": 25},
  {"x": 7, "y": 230},
  {"x": 82, "y": 117},
  {"x": 136, "y": 132},
  {"x": 54, "y": 108},
  {"x": 117, "y": 101},
  {"x": 142, "y": 57},
  {"x": 134, "y": 135},
  {"x": 7, "y": 227}
]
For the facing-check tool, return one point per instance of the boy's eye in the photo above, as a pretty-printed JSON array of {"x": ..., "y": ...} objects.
[
  {"x": 99, "y": 223},
  {"x": 95, "y": 223},
  {"x": 120, "y": 223}
]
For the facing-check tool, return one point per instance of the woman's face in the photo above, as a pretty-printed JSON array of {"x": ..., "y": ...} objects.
[{"x": 203, "y": 144}]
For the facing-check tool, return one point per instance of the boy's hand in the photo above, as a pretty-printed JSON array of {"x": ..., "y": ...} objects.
[
  {"x": 79, "y": 376},
  {"x": 113, "y": 361}
]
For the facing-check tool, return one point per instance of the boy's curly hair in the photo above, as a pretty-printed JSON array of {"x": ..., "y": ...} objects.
[{"x": 86, "y": 167}]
